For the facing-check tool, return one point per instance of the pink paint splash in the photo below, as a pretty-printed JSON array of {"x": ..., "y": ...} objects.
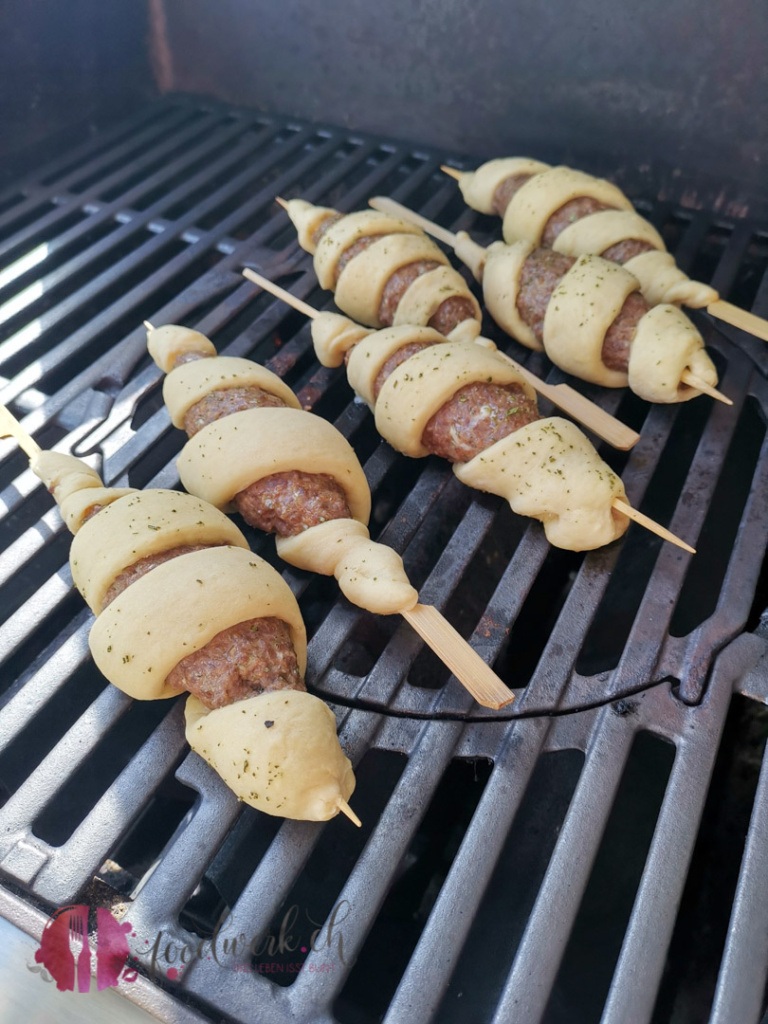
[{"x": 57, "y": 950}]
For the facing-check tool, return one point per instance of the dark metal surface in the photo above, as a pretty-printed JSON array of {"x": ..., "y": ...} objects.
[
  {"x": 612, "y": 86},
  {"x": 156, "y": 222}
]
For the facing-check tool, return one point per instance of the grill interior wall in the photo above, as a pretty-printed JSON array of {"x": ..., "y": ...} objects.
[{"x": 154, "y": 221}]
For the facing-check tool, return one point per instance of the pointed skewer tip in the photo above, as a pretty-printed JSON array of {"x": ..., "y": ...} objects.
[
  {"x": 346, "y": 809},
  {"x": 148, "y": 325},
  {"x": 650, "y": 524},
  {"x": 451, "y": 171},
  {"x": 10, "y": 427},
  {"x": 281, "y": 202}
]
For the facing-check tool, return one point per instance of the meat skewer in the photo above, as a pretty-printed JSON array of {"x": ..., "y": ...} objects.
[
  {"x": 409, "y": 294},
  {"x": 183, "y": 604},
  {"x": 576, "y": 213},
  {"x": 469, "y": 406},
  {"x": 287, "y": 471},
  {"x": 587, "y": 314}
]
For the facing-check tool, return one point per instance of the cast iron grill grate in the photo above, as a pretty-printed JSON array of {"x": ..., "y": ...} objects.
[{"x": 155, "y": 220}]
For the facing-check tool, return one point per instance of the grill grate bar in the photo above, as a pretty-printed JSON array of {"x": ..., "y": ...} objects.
[
  {"x": 530, "y": 981},
  {"x": 471, "y": 871},
  {"x": 372, "y": 875},
  {"x": 68, "y": 754},
  {"x": 95, "y": 210},
  {"x": 633, "y": 993},
  {"x": 746, "y": 949},
  {"x": 172, "y": 120},
  {"x": 72, "y": 865},
  {"x": 172, "y": 883},
  {"x": 22, "y": 702},
  {"x": 266, "y": 891}
]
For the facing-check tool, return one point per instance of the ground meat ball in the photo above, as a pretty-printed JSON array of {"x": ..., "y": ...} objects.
[
  {"x": 289, "y": 503},
  {"x": 451, "y": 313},
  {"x": 623, "y": 251},
  {"x": 618, "y": 337},
  {"x": 541, "y": 273},
  {"x": 143, "y": 566},
  {"x": 247, "y": 659},
  {"x": 398, "y": 284},
  {"x": 218, "y": 404},
  {"x": 567, "y": 214},
  {"x": 505, "y": 191},
  {"x": 476, "y": 417},
  {"x": 394, "y": 361},
  {"x": 323, "y": 227},
  {"x": 351, "y": 251}
]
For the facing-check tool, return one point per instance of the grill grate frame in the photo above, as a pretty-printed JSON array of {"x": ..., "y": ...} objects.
[{"x": 73, "y": 363}]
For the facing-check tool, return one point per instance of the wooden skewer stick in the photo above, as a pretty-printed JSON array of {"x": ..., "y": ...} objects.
[
  {"x": 701, "y": 385},
  {"x": 346, "y": 809},
  {"x": 451, "y": 172},
  {"x": 618, "y": 504},
  {"x": 449, "y": 645},
  {"x": 10, "y": 427},
  {"x": 650, "y": 524},
  {"x": 386, "y": 205},
  {"x": 740, "y": 318}
]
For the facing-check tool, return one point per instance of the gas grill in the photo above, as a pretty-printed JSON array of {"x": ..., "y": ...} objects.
[{"x": 541, "y": 863}]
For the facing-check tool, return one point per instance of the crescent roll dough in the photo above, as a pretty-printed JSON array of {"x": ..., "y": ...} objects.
[
  {"x": 179, "y": 606},
  {"x": 360, "y": 284},
  {"x": 579, "y": 313},
  {"x": 229, "y": 454},
  {"x": 188, "y": 383},
  {"x": 166, "y": 344},
  {"x": 76, "y": 487},
  {"x": 547, "y": 470},
  {"x": 548, "y": 189},
  {"x": 137, "y": 525},
  {"x": 277, "y": 751},
  {"x": 232, "y": 453}
]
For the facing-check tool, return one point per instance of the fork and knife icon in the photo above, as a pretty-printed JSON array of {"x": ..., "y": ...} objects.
[{"x": 79, "y": 948}]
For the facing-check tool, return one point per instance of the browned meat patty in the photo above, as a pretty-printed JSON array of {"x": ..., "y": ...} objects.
[
  {"x": 398, "y": 284},
  {"x": 218, "y": 404},
  {"x": 451, "y": 313},
  {"x": 394, "y": 361},
  {"x": 323, "y": 226},
  {"x": 351, "y": 251},
  {"x": 476, "y": 417},
  {"x": 143, "y": 566},
  {"x": 247, "y": 659},
  {"x": 289, "y": 503},
  {"x": 541, "y": 273},
  {"x": 623, "y": 251},
  {"x": 567, "y": 214},
  {"x": 618, "y": 337},
  {"x": 506, "y": 190}
]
